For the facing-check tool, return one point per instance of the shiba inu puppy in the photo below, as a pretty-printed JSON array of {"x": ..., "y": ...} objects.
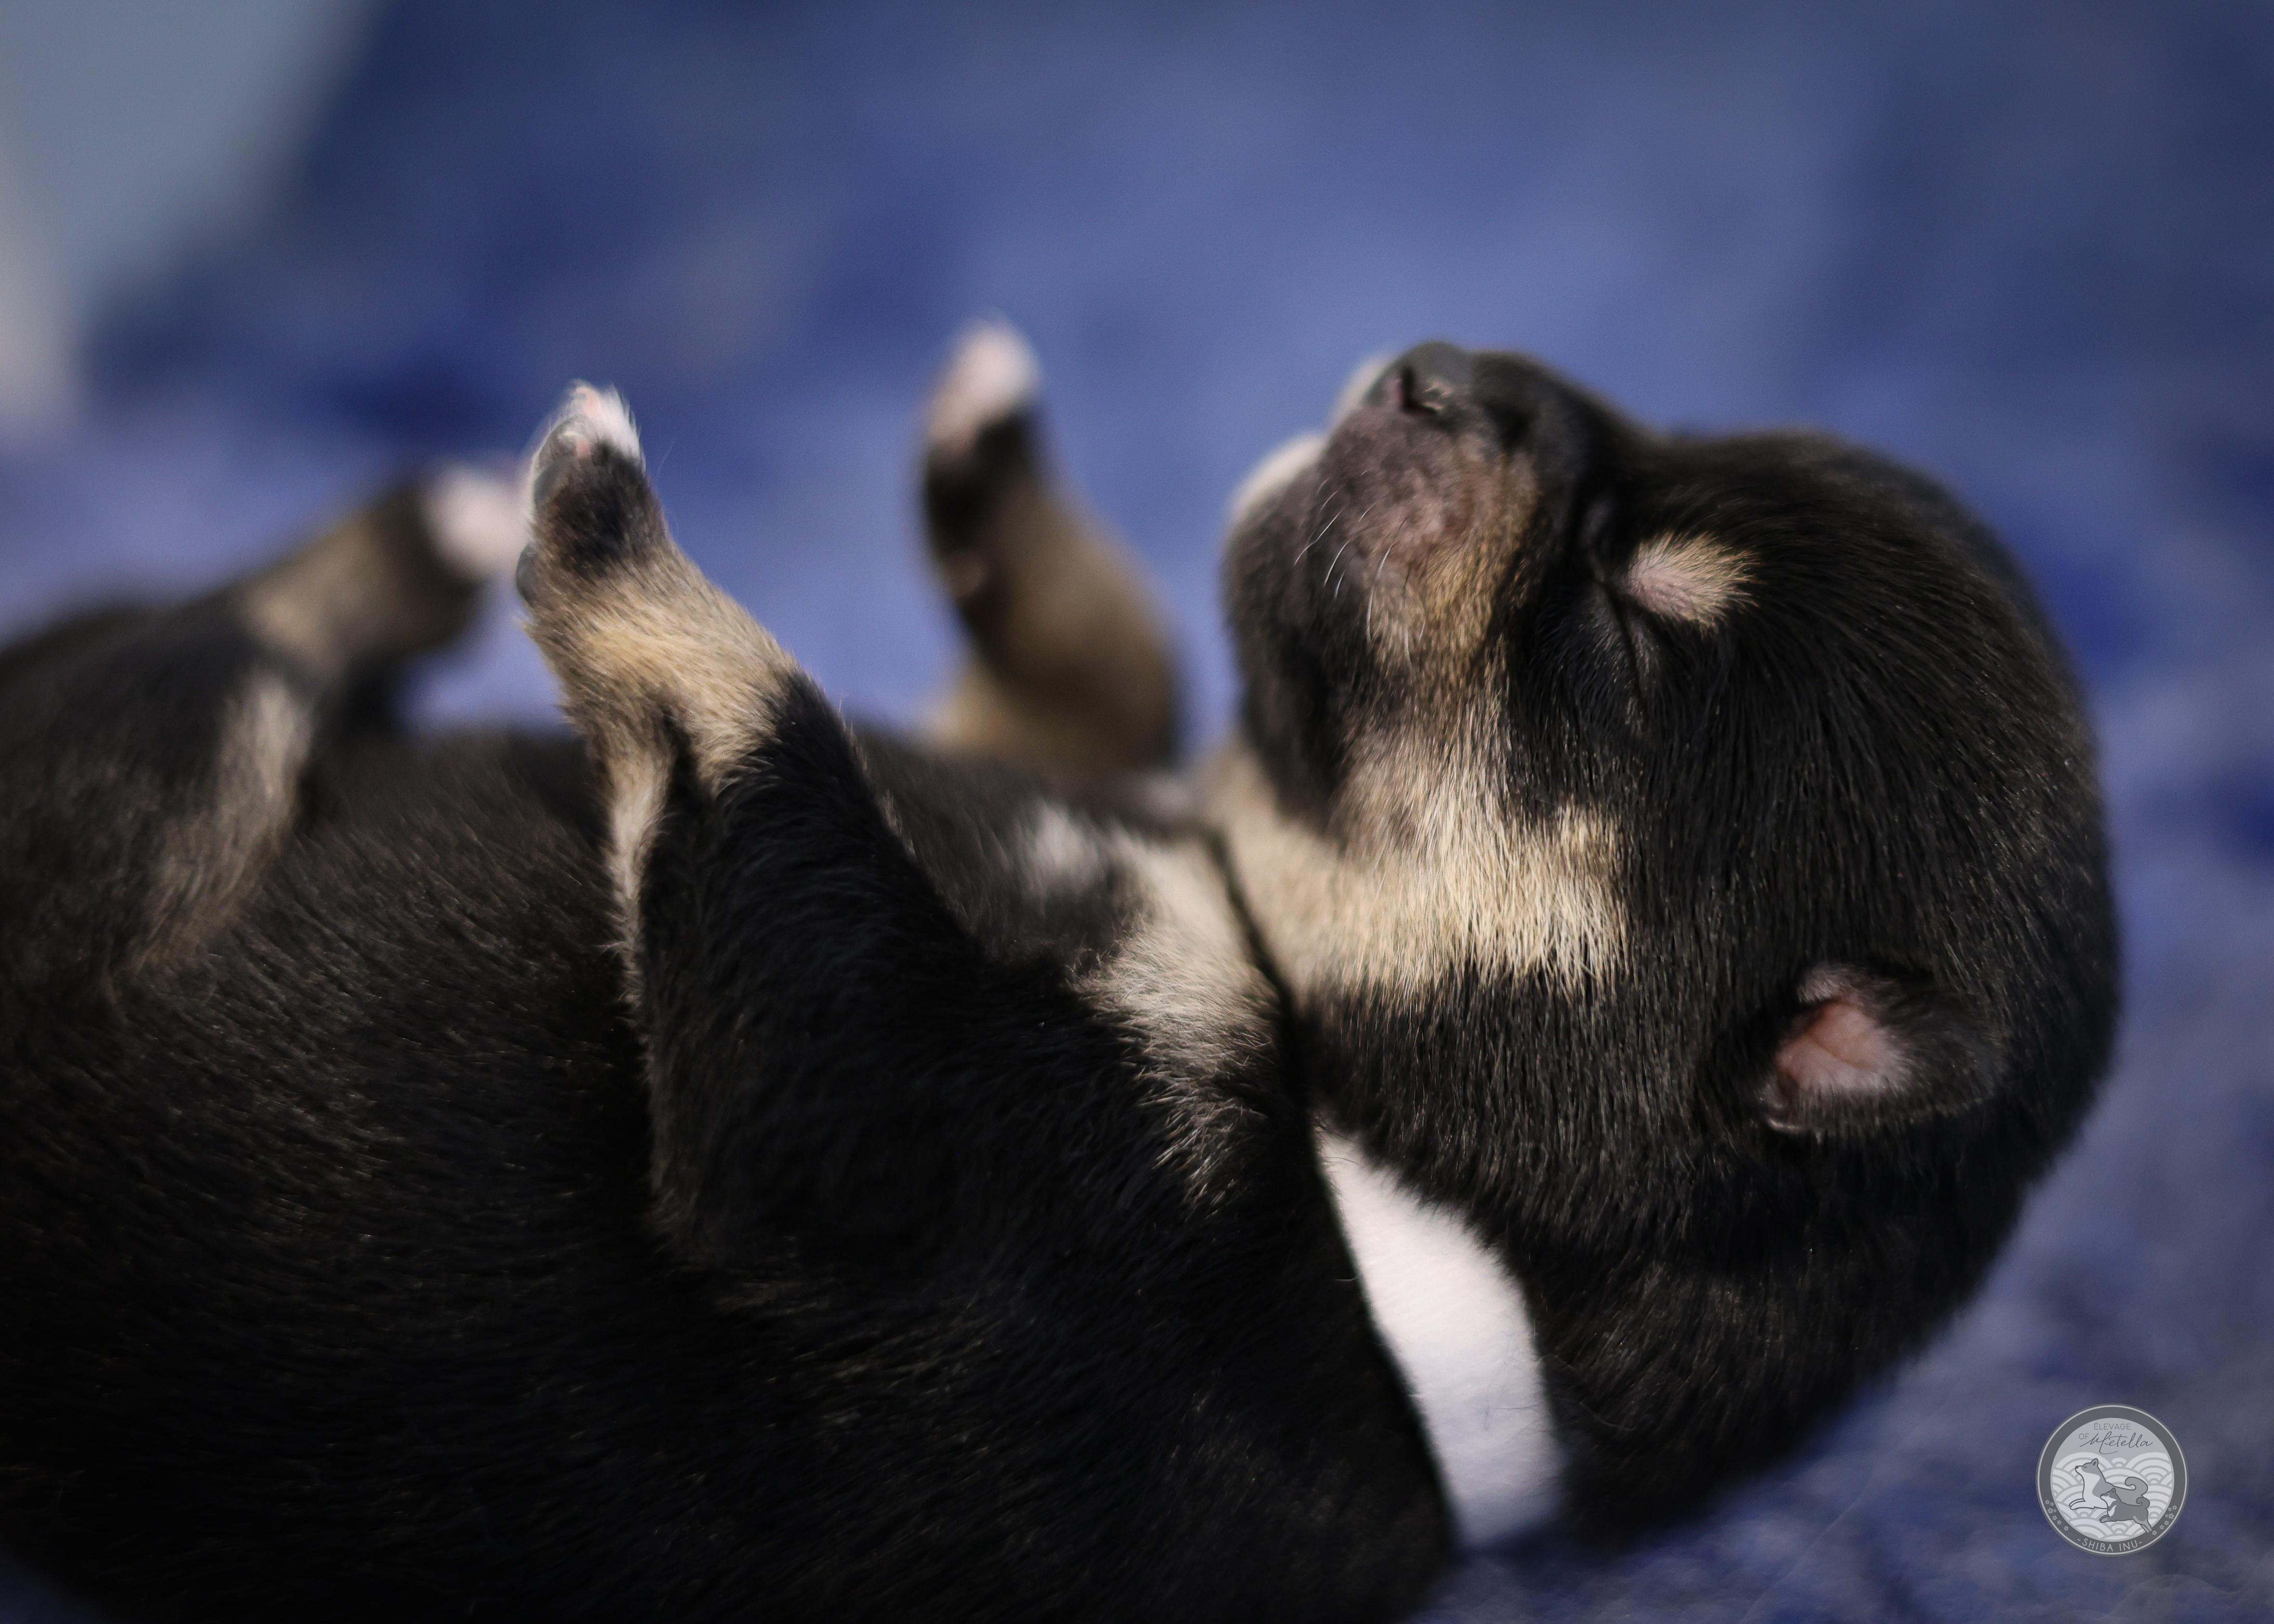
[{"x": 1610, "y": 995}]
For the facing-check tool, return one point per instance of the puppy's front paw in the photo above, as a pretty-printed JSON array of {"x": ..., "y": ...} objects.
[
  {"x": 1071, "y": 668},
  {"x": 985, "y": 501},
  {"x": 646, "y": 649}
]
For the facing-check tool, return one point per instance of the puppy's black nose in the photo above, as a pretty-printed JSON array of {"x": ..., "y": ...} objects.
[
  {"x": 1429, "y": 379},
  {"x": 1483, "y": 391}
]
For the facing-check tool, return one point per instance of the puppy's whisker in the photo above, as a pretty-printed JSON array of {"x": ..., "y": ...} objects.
[
  {"x": 1304, "y": 551},
  {"x": 1334, "y": 562},
  {"x": 1374, "y": 597}
]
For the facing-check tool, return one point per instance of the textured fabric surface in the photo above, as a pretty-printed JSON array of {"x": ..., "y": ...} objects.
[{"x": 2026, "y": 247}]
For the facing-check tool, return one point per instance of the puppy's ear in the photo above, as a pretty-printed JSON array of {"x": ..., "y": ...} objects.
[{"x": 1870, "y": 1051}]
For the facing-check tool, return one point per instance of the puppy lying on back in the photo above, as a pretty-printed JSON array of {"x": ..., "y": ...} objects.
[{"x": 1648, "y": 930}]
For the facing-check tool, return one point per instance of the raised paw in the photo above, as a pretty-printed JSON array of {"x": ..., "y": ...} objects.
[
  {"x": 981, "y": 479},
  {"x": 992, "y": 379},
  {"x": 590, "y": 508},
  {"x": 393, "y": 580},
  {"x": 474, "y": 514},
  {"x": 649, "y": 654},
  {"x": 1070, "y": 667}
]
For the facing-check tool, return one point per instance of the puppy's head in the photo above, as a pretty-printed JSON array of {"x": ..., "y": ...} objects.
[{"x": 1683, "y": 856}]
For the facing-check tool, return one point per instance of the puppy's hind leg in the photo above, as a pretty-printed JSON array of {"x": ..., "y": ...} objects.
[
  {"x": 1070, "y": 667},
  {"x": 150, "y": 761},
  {"x": 396, "y": 579}
]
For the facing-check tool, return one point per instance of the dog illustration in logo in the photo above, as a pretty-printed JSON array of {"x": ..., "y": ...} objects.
[{"x": 2127, "y": 1498}]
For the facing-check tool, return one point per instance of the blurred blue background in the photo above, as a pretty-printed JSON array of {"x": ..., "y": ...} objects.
[{"x": 256, "y": 255}]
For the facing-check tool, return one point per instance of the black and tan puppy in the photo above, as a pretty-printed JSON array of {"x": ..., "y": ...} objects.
[{"x": 1651, "y": 922}]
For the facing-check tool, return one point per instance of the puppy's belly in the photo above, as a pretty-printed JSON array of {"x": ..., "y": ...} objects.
[{"x": 1456, "y": 1324}]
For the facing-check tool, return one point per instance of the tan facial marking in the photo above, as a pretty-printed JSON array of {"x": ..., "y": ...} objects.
[
  {"x": 1690, "y": 578},
  {"x": 1448, "y": 542}
]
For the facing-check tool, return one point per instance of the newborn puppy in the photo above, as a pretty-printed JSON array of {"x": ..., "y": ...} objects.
[
  {"x": 1683, "y": 861},
  {"x": 1648, "y": 931}
]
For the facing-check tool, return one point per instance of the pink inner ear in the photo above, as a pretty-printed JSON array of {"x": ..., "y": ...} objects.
[{"x": 1841, "y": 1049}]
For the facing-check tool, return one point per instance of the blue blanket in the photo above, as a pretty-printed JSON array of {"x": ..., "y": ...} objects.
[{"x": 2027, "y": 247}]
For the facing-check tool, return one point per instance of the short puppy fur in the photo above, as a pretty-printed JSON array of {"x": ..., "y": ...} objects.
[{"x": 1609, "y": 997}]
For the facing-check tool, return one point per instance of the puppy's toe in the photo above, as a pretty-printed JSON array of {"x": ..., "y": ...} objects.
[
  {"x": 589, "y": 421},
  {"x": 992, "y": 379},
  {"x": 591, "y": 511}
]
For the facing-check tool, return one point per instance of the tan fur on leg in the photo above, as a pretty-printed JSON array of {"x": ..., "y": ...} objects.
[
  {"x": 648, "y": 653},
  {"x": 379, "y": 584}
]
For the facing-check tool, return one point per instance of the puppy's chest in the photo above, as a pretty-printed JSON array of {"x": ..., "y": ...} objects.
[
  {"x": 1141, "y": 920},
  {"x": 1120, "y": 898},
  {"x": 1455, "y": 1322}
]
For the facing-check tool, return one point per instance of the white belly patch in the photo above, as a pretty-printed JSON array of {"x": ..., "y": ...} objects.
[{"x": 1456, "y": 1324}]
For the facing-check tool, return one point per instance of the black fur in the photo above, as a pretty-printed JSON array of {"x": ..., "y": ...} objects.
[
  {"x": 1876, "y": 760},
  {"x": 431, "y": 1232},
  {"x": 339, "y": 1289}
]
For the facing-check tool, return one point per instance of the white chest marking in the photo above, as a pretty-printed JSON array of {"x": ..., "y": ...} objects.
[{"x": 1456, "y": 1324}]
